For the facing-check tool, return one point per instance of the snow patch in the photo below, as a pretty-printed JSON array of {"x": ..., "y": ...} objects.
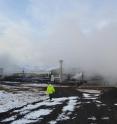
[
  {"x": 71, "y": 105},
  {"x": 55, "y": 101},
  {"x": 37, "y": 114},
  {"x": 33, "y": 116},
  {"x": 10, "y": 119},
  {"x": 90, "y": 96},
  {"x": 90, "y": 91},
  {"x": 92, "y": 118},
  {"x": 105, "y": 118},
  {"x": 9, "y": 100},
  {"x": 23, "y": 121},
  {"x": 52, "y": 122},
  {"x": 67, "y": 110}
]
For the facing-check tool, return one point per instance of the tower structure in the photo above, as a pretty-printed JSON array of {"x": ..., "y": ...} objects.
[{"x": 61, "y": 70}]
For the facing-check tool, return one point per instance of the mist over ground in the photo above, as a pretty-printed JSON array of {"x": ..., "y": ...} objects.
[{"x": 83, "y": 34}]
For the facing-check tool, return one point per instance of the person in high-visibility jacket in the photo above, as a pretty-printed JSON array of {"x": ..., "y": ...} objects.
[{"x": 50, "y": 91}]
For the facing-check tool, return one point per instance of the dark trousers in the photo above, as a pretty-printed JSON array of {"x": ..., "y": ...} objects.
[{"x": 50, "y": 96}]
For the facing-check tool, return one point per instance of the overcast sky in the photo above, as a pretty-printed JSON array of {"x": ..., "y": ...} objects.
[{"x": 40, "y": 32}]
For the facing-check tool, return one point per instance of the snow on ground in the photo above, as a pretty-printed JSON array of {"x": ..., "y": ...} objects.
[
  {"x": 23, "y": 121},
  {"x": 71, "y": 104},
  {"x": 52, "y": 122},
  {"x": 34, "y": 112},
  {"x": 89, "y": 91},
  {"x": 67, "y": 110},
  {"x": 105, "y": 118},
  {"x": 41, "y": 85},
  {"x": 55, "y": 101},
  {"x": 33, "y": 116},
  {"x": 37, "y": 114},
  {"x": 92, "y": 118},
  {"x": 37, "y": 105},
  {"x": 90, "y": 96},
  {"x": 35, "y": 85},
  {"x": 9, "y": 100},
  {"x": 97, "y": 101},
  {"x": 10, "y": 119},
  {"x": 10, "y": 82}
]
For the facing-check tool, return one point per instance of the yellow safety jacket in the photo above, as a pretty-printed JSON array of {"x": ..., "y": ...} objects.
[{"x": 50, "y": 89}]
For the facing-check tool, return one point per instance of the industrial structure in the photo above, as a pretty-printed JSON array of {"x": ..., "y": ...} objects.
[{"x": 61, "y": 70}]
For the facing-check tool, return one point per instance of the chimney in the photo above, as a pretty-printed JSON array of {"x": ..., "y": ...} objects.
[{"x": 61, "y": 70}]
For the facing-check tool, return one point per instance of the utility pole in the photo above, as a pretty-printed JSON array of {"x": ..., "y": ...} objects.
[
  {"x": 1, "y": 72},
  {"x": 61, "y": 70},
  {"x": 23, "y": 73}
]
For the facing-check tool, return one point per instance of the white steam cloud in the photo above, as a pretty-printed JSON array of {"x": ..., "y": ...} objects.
[
  {"x": 94, "y": 52},
  {"x": 83, "y": 36}
]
